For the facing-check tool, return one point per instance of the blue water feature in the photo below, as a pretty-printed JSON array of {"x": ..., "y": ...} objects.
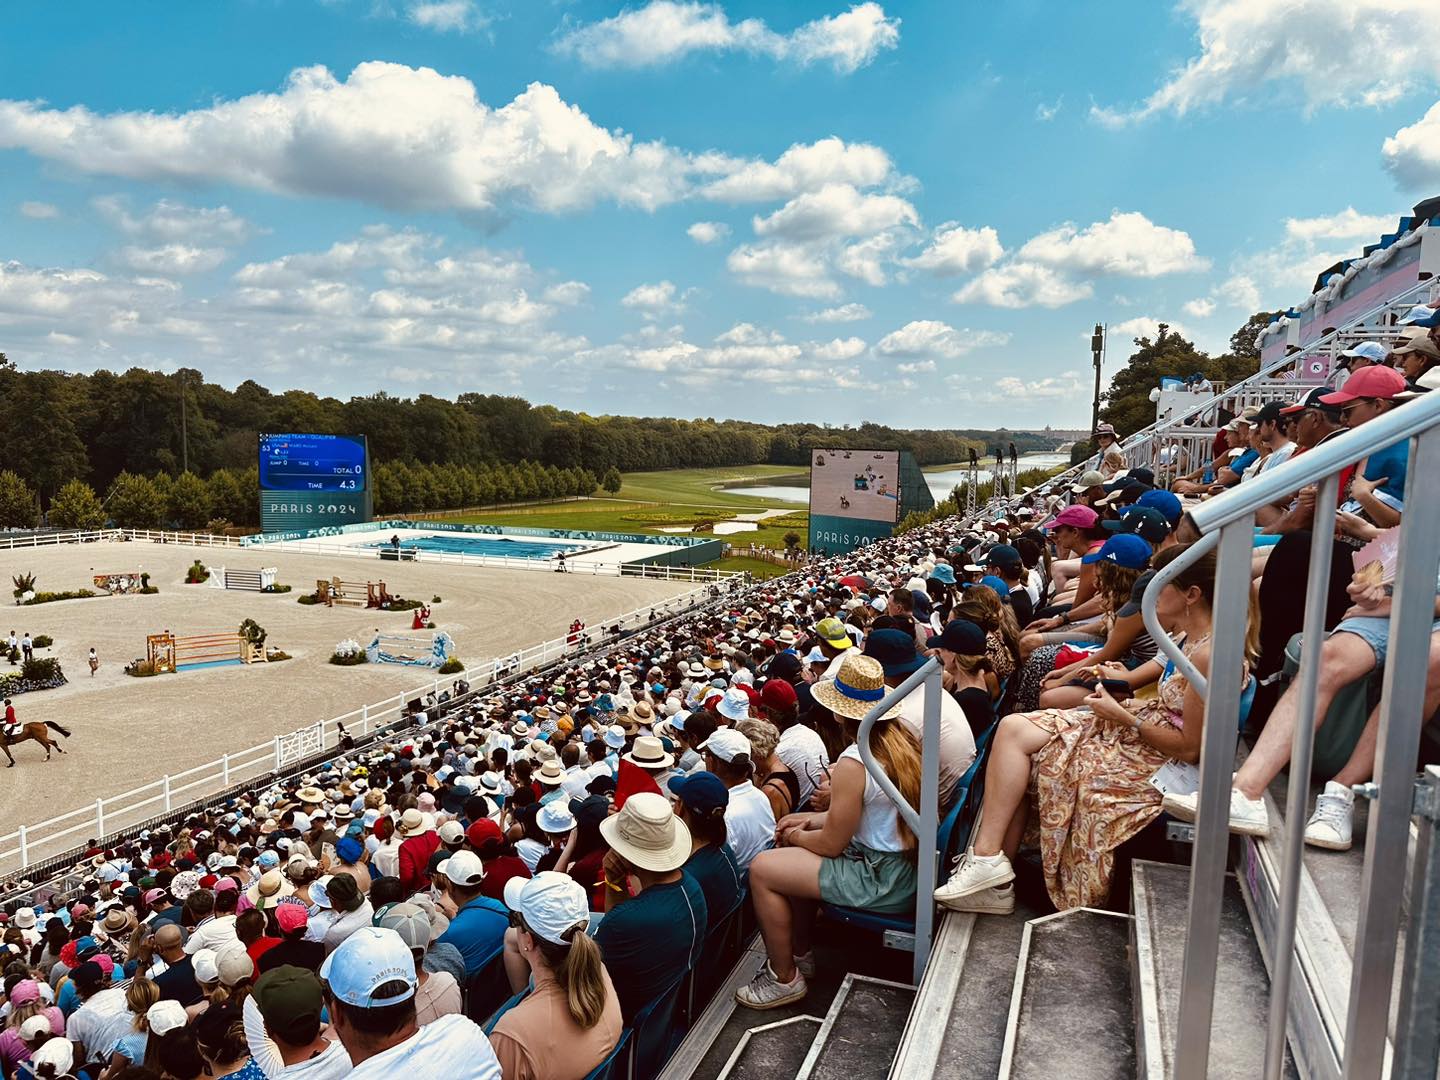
[{"x": 465, "y": 544}]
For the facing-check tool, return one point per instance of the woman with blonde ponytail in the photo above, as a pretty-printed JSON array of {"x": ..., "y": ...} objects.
[
  {"x": 570, "y": 1021},
  {"x": 859, "y": 853}
]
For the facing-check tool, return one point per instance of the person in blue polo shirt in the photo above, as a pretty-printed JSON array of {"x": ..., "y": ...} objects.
[{"x": 478, "y": 926}]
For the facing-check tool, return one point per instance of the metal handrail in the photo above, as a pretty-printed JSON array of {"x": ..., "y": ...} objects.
[
  {"x": 925, "y": 822},
  {"x": 1227, "y": 523}
]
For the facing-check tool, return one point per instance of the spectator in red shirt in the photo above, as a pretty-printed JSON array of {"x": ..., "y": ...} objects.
[
  {"x": 498, "y": 858},
  {"x": 250, "y": 927},
  {"x": 419, "y": 843}
]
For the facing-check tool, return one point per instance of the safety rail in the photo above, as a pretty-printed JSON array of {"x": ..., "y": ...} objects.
[
  {"x": 925, "y": 822},
  {"x": 1139, "y": 448},
  {"x": 1227, "y": 525}
]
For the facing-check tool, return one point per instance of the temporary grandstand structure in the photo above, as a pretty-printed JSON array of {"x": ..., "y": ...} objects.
[{"x": 415, "y": 650}]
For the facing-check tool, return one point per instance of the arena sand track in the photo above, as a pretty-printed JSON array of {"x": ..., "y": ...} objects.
[{"x": 126, "y": 732}]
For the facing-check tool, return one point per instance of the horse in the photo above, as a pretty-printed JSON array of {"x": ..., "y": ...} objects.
[{"x": 36, "y": 732}]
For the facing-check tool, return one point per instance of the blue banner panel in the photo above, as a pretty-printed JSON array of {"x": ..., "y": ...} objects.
[{"x": 314, "y": 463}]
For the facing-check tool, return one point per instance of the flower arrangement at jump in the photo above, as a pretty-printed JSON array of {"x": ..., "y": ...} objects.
[{"x": 348, "y": 653}]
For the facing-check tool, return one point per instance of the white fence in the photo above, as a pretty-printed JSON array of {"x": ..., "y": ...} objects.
[{"x": 34, "y": 843}]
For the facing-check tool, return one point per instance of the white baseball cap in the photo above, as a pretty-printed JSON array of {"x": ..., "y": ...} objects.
[
  {"x": 365, "y": 961},
  {"x": 726, "y": 744},
  {"x": 552, "y": 904},
  {"x": 463, "y": 868}
]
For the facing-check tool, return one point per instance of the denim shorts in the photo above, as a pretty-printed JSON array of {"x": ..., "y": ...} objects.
[{"x": 1375, "y": 632}]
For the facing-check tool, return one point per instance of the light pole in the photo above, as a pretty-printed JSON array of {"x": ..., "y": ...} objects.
[
  {"x": 185, "y": 435},
  {"x": 1097, "y": 352}
]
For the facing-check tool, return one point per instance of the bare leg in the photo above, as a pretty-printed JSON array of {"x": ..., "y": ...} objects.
[
  {"x": 1016, "y": 832},
  {"x": 1007, "y": 778},
  {"x": 1343, "y": 659},
  {"x": 1063, "y": 697},
  {"x": 1361, "y": 766},
  {"x": 777, "y": 877}
]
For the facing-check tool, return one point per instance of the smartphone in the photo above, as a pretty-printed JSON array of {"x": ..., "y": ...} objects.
[{"x": 1118, "y": 687}]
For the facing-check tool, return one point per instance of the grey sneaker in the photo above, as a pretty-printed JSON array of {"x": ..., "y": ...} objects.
[
  {"x": 806, "y": 964},
  {"x": 765, "y": 991},
  {"x": 1330, "y": 826}
]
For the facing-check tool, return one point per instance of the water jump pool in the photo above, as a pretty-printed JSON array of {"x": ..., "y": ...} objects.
[{"x": 492, "y": 546}]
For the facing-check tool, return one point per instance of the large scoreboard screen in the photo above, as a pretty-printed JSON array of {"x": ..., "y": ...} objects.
[{"x": 331, "y": 463}]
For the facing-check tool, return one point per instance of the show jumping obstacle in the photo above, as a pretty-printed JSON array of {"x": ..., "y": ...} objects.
[
  {"x": 245, "y": 580},
  {"x": 119, "y": 584},
  {"x": 168, "y": 652},
  {"x": 416, "y": 650},
  {"x": 335, "y": 591}
]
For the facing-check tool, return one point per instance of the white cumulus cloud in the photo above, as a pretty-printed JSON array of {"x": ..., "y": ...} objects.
[
  {"x": 1140, "y": 326},
  {"x": 1412, "y": 154},
  {"x": 788, "y": 269},
  {"x": 660, "y": 298},
  {"x": 170, "y": 259},
  {"x": 39, "y": 211},
  {"x": 836, "y": 210},
  {"x": 1329, "y": 52},
  {"x": 1346, "y": 225},
  {"x": 665, "y": 31},
  {"x": 447, "y": 15},
  {"x": 802, "y": 167},
  {"x": 708, "y": 232},
  {"x": 174, "y": 222},
  {"x": 955, "y": 249},
  {"x": 1201, "y": 308},
  {"x": 843, "y": 313},
  {"x": 1022, "y": 285},
  {"x": 1128, "y": 244},
  {"x": 930, "y": 338}
]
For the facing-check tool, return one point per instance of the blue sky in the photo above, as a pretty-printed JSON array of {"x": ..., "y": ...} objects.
[{"x": 821, "y": 211}]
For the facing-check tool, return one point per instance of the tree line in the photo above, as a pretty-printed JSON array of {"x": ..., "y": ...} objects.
[{"x": 59, "y": 426}]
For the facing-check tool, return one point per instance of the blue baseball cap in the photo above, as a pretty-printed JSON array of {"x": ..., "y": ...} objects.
[
  {"x": 1167, "y": 503},
  {"x": 701, "y": 791},
  {"x": 990, "y": 581},
  {"x": 1122, "y": 549},
  {"x": 364, "y": 962},
  {"x": 1421, "y": 315}
]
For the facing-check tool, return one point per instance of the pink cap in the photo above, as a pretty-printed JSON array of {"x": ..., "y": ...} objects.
[
  {"x": 1076, "y": 516},
  {"x": 291, "y": 914},
  {"x": 226, "y": 884},
  {"x": 24, "y": 992},
  {"x": 1368, "y": 382},
  {"x": 153, "y": 895}
]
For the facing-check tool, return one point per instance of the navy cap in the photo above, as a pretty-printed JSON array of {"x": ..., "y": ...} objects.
[
  {"x": 960, "y": 636},
  {"x": 1122, "y": 549},
  {"x": 895, "y": 649},
  {"x": 1167, "y": 503},
  {"x": 1003, "y": 555},
  {"x": 701, "y": 791},
  {"x": 1150, "y": 525}
]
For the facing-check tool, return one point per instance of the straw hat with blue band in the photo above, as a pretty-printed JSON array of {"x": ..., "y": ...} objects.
[{"x": 855, "y": 689}]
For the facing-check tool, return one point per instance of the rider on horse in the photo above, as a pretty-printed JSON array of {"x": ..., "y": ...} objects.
[{"x": 12, "y": 726}]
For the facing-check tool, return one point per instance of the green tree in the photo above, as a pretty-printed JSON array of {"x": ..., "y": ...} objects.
[
  {"x": 1242, "y": 342},
  {"x": 229, "y": 497},
  {"x": 612, "y": 481},
  {"x": 135, "y": 502},
  {"x": 18, "y": 509},
  {"x": 190, "y": 502},
  {"x": 76, "y": 506},
  {"x": 1127, "y": 403},
  {"x": 792, "y": 540}
]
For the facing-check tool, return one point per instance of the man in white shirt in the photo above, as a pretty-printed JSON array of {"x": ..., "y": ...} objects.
[
  {"x": 373, "y": 972},
  {"x": 749, "y": 819},
  {"x": 283, "y": 1031},
  {"x": 211, "y": 932}
]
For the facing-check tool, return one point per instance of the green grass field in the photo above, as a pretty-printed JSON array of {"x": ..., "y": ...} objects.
[
  {"x": 698, "y": 487},
  {"x": 759, "y": 567}
]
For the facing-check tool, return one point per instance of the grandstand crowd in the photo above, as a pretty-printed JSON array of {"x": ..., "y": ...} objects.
[{"x": 520, "y": 881}]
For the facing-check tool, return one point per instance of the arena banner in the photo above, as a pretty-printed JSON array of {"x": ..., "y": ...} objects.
[
  {"x": 311, "y": 481},
  {"x": 829, "y": 534}
]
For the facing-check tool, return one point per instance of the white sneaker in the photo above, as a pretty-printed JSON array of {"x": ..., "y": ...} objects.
[
  {"x": 1247, "y": 816},
  {"x": 765, "y": 991},
  {"x": 806, "y": 964},
  {"x": 973, "y": 874},
  {"x": 999, "y": 900},
  {"x": 1330, "y": 825}
]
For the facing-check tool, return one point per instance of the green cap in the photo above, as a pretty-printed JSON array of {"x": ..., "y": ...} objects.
[
  {"x": 290, "y": 1000},
  {"x": 832, "y": 632}
]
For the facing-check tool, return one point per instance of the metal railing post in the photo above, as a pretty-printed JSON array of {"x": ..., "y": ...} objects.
[
  {"x": 1282, "y": 948},
  {"x": 166, "y": 782},
  {"x": 1402, "y": 701},
  {"x": 225, "y": 770},
  {"x": 279, "y": 758},
  {"x": 1212, "y": 828},
  {"x": 927, "y": 868},
  {"x": 25, "y": 846},
  {"x": 1417, "y": 1024},
  {"x": 100, "y": 819}
]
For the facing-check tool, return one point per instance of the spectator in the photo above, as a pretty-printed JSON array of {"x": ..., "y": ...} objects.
[
  {"x": 103, "y": 1018},
  {"x": 212, "y": 928},
  {"x": 649, "y": 938},
  {"x": 570, "y": 1022},
  {"x": 1090, "y": 768},
  {"x": 700, "y": 802},
  {"x": 250, "y": 926},
  {"x": 961, "y": 649},
  {"x": 750, "y": 820},
  {"x": 292, "y": 919},
  {"x": 777, "y": 783},
  {"x": 497, "y": 857},
  {"x": 25, "y": 1003},
  {"x": 172, "y": 1042},
  {"x": 370, "y": 991},
  {"x": 283, "y": 1027},
  {"x": 352, "y": 910},
  {"x": 220, "y": 1034},
  {"x": 177, "y": 980},
  {"x": 859, "y": 853},
  {"x": 477, "y": 927},
  {"x": 437, "y": 994},
  {"x": 418, "y": 842}
]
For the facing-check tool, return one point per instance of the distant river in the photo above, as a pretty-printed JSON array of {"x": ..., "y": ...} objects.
[{"x": 940, "y": 482}]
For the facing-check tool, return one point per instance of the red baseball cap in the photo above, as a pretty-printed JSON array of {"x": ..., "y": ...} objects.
[
  {"x": 1368, "y": 382},
  {"x": 483, "y": 833},
  {"x": 777, "y": 694}
]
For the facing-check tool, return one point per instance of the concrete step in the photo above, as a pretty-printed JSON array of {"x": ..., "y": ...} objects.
[
  {"x": 774, "y": 1050},
  {"x": 1071, "y": 1012},
  {"x": 861, "y": 1031},
  {"x": 1160, "y": 901}
]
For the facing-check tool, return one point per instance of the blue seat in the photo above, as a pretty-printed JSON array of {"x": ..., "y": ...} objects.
[{"x": 650, "y": 1033}]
